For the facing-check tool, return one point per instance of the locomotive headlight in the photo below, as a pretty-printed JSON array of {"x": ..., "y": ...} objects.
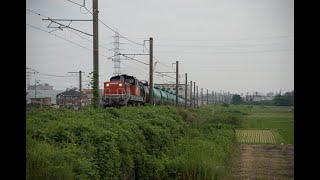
[
  {"x": 107, "y": 85},
  {"x": 120, "y": 84}
]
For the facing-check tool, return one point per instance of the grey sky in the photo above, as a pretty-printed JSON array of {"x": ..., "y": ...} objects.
[{"x": 224, "y": 45}]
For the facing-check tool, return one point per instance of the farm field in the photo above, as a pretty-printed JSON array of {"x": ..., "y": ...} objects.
[
  {"x": 264, "y": 161},
  {"x": 266, "y": 149},
  {"x": 280, "y": 120},
  {"x": 255, "y": 136}
]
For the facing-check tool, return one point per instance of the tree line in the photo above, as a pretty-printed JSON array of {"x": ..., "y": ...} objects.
[{"x": 286, "y": 99}]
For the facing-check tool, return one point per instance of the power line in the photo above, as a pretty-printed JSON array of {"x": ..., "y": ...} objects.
[
  {"x": 231, "y": 45},
  {"x": 161, "y": 74},
  {"x": 62, "y": 38},
  {"x": 109, "y": 26},
  {"x": 36, "y": 13},
  {"x": 135, "y": 68},
  {"x": 208, "y": 40},
  {"x": 119, "y": 33},
  {"x": 58, "y": 36},
  {"x": 54, "y": 75},
  {"x": 230, "y": 52},
  {"x": 75, "y": 3},
  {"x": 141, "y": 66},
  {"x": 61, "y": 26},
  {"x": 156, "y": 58},
  {"x": 134, "y": 59},
  {"x": 86, "y": 39},
  {"x": 50, "y": 79},
  {"x": 70, "y": 30}
]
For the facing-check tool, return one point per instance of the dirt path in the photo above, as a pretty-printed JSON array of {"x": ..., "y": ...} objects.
[{"x": 265, "y": 162}]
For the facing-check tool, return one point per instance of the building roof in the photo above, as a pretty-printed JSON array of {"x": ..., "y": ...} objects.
[{"x": 70, "y": 92}]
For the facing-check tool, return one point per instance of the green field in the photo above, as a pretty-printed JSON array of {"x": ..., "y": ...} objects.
[
  {"x": 279, "y": 119},
  {"x": 162, "y": 142}
]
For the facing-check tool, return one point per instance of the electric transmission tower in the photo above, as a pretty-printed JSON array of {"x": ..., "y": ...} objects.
[
  {"x": 29, "y": 71},
  {"x": 116, "y": 58}
]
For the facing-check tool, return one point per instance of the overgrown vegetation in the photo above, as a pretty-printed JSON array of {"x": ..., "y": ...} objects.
[
  {"x": 286, "y": 99},
  {"x": 236, "y": 99},
  {"x": 147, "y": 142},
  {"x": 94, "y": 83}
]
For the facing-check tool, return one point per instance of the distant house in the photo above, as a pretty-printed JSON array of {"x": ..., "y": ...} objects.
[
  {"x": 42, "y": 91},
  {"x": 71, "y": 99},
  {"x": 46, "y": 101}
]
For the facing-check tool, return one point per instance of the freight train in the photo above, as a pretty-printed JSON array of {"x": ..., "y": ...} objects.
[{"x": 124, "y": 90}]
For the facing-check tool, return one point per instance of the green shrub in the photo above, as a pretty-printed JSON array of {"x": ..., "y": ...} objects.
[{"x": 147, "y": 142}]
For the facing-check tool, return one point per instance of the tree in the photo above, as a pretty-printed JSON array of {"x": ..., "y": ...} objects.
[
  {"x": 95, "y": 100},
  {"x": 236, "y": 99},
  {"x": 286, "y": 100}
]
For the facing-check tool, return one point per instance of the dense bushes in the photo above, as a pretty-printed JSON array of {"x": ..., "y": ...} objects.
[
  {"x": 284, "y": 100},
  {"x": 130, "y": 143}
]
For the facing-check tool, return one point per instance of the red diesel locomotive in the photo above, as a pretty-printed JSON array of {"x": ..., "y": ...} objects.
[{"x": 124, "y": 90}]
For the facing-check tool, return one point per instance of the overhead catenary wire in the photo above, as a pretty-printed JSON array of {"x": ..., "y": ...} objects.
[
  {"x": 87, "y": 39},
  {"x": 227, "y": 52},
  {"x": 69, "y": 30},
  {"x": 58, "y": 36},
  {"x": 225, "y": 45},
  {"x": 239, "y": 39},
  {"x": 109, "y": 26},
  {"x": 120, "y": 34},
  {"x": 136, "y": 69},
  {"x": 156, "y": 58},
  {"x": 36, "y": 13},
  {"x": 135, "y": 59},
  {"x": 75, "y": 3},
  {"x": 63, "y": 38},
  {"x": 45, "y": 74}
]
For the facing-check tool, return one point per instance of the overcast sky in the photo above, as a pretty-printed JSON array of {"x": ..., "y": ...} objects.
[{"x": 235, "y": 46}]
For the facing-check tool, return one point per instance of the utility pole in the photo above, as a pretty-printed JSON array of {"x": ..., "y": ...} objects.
[
  {"x": 186, "y": 91},
  {"x": 95, "y": 23},
  {"x": 215, "y": 97},
  {"x": 191, "y": 94},
  {"x": 194, "y": 94},
  {"x": 80, "y": 85},
  {"x": 197, "y": 97},
  {"x": 222, "y": 97},
  {"x": 151, "y": 71},
  {"x": 177, "y": 82},
  {"x": 211, "y": 97},
  {"x": 35, "y": 88},
  {"x": 207, "y": 96},
  {"x": 201, "y": 96},
  {"x": 80, "y": 89}
]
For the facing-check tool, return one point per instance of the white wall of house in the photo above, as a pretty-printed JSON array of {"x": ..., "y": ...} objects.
[{"x": 42, "y": 94}]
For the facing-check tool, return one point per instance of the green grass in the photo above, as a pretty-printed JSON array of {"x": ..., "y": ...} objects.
[
  {"x": 279, "y": 119},
  {"x": 162, "y": 142}
]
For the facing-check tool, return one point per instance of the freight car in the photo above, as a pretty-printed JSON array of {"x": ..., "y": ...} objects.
[{"x": 124, "y": 90}]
